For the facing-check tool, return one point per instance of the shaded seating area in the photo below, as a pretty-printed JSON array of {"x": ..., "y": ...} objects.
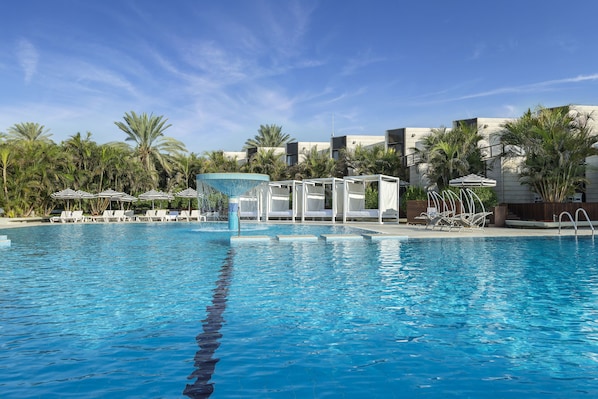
[
  {"x": 322, "y": 198},
  {"x": 354, "y": 190},
  {"x": 250, "y": 204},
  {"x": 283, "y": 200}
]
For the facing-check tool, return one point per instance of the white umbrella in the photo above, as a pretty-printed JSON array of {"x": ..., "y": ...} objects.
[
  {"x": 472, "y": 180},
  {"x": 85, "y": 195},
  {"x": 69, "y": 194},
  {"x": 154, "y": 195},
  {"x": 111, "y": 194},
  {"x": 187, "y": 193}
]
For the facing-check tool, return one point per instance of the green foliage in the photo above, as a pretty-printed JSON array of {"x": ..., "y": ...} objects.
[
  {"x": 487, "y": 195},
  {"x": 412, "y": 193},
  {"x": 151, "y": 146},
  {"x": 374, "y": 160},
  {"x": 451, "y": 153},
  {"x": 316, "y": 164},
  {"x": 371, "y": 197},
  {"x": 415, "y": 193},
  {"x": 553, "y": 144},
  {"x": 29, "y": 132},
  {"x": 268, "y": 136},
  {"x": 267, "y": 162}
]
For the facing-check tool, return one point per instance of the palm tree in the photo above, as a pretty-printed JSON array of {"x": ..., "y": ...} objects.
[
  {"x": 554, "y": 143},
  {"x": 268, "y": 136},
  {"x": 147, "y": 131},
  {"x": 315, "y": 164},
  {"x": 268, "y": 162},
  {"x": 451, "y": 153},
  {"x": 217, "y": 162},
  {"x": 186, "y": 167},
  {"x": 29, "y": 132},
  {"x": 5, "y": 162},
  {"x": 374, "y": 160}
]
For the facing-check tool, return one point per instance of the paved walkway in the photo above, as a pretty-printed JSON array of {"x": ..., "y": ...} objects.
[
  {"x": 417, "y": 231},
  {"x": 402, "y": 229}
]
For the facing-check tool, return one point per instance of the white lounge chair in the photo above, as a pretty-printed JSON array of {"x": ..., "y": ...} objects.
[
  {"x": 160, "y": 216},
  {"x": 195, "y": 215},
  {"x": 64, "y": 215},
  {"x": 184, "y": 215},
  {"x": 107, "y": 215},
  {"x": 76, "y": 216},
  {"x": 118, "y": 216}
]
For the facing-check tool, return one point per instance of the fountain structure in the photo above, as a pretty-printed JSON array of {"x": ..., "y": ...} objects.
[{"x": 233, "y": 185}]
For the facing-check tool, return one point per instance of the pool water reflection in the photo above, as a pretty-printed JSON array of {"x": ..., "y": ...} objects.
[{"x": 113, "y": 310}]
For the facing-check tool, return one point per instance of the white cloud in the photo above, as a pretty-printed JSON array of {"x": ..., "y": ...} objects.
[
  {"x": 28, "y": 58},
  {"x": 544, "y": 86}
]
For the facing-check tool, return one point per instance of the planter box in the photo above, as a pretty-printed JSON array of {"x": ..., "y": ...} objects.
[
  {"x": 548, "y": 211},
  {"x": 415, "y": 208},
  {"x": 499, "y": 215}
]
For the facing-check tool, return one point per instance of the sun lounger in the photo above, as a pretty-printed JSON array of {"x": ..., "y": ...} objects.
[
  {"x": 195, "y": 215},
  {"x": 68, "y": 216},
  {"x": 64, "y": 215},
  {"x": 472, "y": 220},
  {"x": 76, "y": 216},
  {"x": 160, "y": 216},
  {"x": 148, "y": 216},
  {"x": 184, "y": 215}
]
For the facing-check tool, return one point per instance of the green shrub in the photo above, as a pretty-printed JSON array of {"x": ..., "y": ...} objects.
[{"x": 412, "y": 193}]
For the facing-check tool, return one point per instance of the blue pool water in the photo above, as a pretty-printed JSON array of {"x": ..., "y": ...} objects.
[{"x": 155, "y": 310}]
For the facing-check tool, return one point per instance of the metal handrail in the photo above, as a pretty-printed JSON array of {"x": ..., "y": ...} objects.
[
  {"x": 587, "y": 218},
  {"x": 570, "y": 217}
]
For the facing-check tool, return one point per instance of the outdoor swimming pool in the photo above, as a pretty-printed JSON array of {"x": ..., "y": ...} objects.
[{"x": 126, "y": 310}]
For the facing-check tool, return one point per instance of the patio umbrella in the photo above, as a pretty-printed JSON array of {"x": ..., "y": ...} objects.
[
  {"x": 154, "y": 195},
  {"x": 111, "y": 194},
  {"x": 126, "y": 198},
  {"x": 85, "y": 195},
  {"x": 472, "y": 180},
  {"x": 67, "y": 194},
  {"x": 187, "y": 193}
]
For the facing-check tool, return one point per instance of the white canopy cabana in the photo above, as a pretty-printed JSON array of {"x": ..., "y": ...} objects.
[
  {"x": 250, "y": 203},
  {"x": 283, "y": 199},
  {"x": 354, "y": 197},
  {"x": 315, "y": 200}
]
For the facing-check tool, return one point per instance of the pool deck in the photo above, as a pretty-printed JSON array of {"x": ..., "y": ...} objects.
[
  {"x": 400, "y": 230},
  {"x": 417, "y": 231}
]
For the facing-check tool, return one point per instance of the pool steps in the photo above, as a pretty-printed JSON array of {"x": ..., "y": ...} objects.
[
  {"x": 4, "y": 241},
  {"x": 324, "y": 237}
]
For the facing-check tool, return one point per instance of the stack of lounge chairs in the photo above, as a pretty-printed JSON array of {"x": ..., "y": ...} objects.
[{"x": 449, "y": 210}]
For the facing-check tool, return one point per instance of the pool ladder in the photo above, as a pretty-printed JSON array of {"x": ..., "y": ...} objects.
[{"x": 577, "y": 212}]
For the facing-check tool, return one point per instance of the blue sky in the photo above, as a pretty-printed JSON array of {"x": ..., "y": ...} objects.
[{"x": 219, "y": 69}]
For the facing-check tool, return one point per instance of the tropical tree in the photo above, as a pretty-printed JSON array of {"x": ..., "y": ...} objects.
[
  {"x": 217, "y": 162},
  {"x": 268, "y": 162},
  {"x": 151, "y": 145},
  {"x": 451, "y": 153},
  {"x": 374, "y": 160},
  {"x": 554, "y": 144},
  {"x": 5, "y": 162},
  {"x": 29, "y": 132},
  {"x": 34, "y": 174},
  {"x": 185, "y": 168},
  {"x": 315, "y": 164},
  {"x": 268, "y": 136}
]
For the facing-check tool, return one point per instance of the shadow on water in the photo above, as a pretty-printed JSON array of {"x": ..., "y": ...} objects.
[{"x": 208, "y": 340}]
